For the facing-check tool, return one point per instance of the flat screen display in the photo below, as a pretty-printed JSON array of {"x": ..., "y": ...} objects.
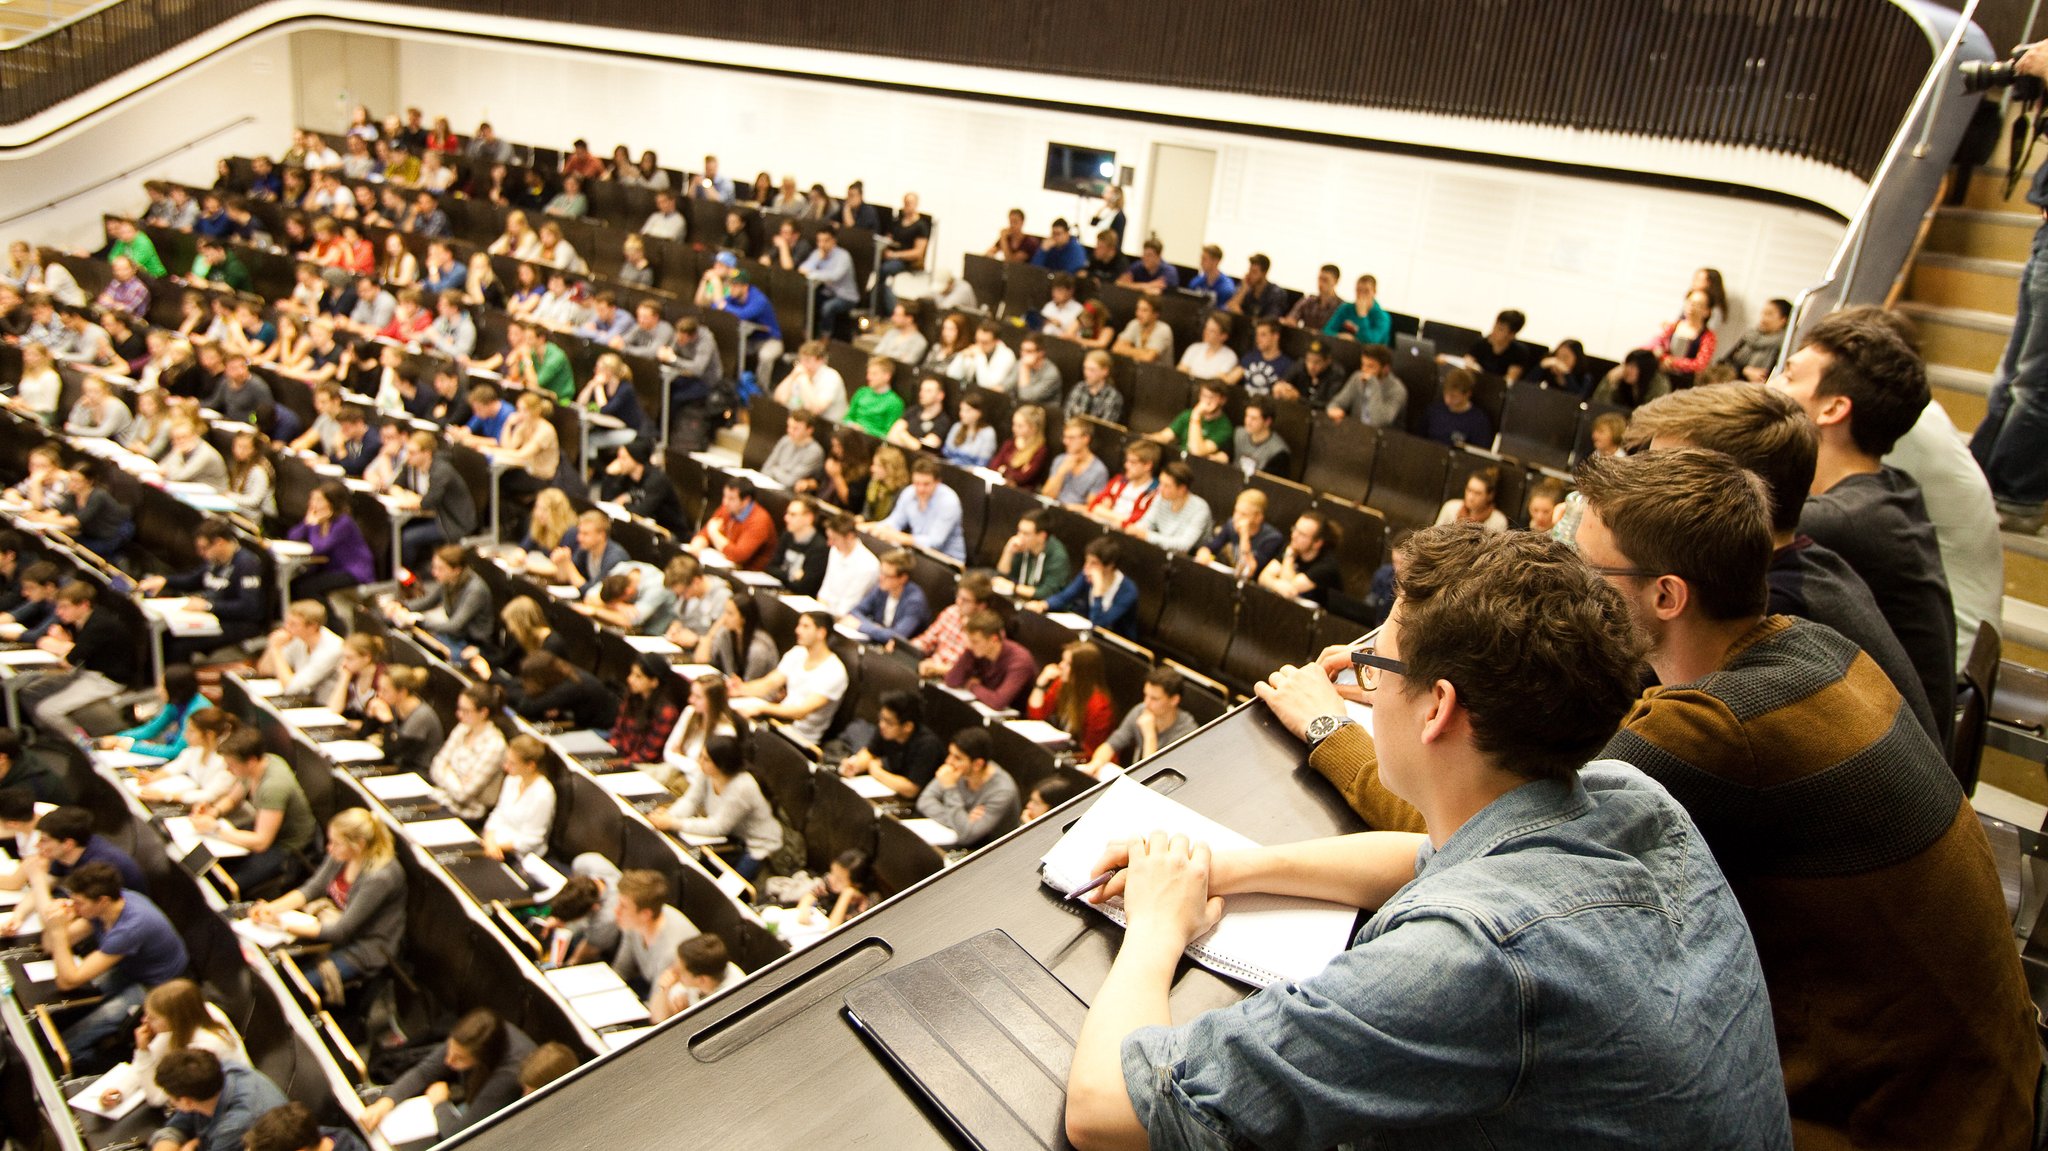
[{"x": 1082, "y": 171}]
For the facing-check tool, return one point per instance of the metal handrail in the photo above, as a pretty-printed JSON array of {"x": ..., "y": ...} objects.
[{"x": 1906, "y": 181}]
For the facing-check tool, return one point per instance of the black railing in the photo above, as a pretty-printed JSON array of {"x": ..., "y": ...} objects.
[{"x": 1825, "y": 79}]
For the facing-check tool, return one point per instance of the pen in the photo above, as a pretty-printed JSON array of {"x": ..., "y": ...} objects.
[{"x": 1094, "y": 883}]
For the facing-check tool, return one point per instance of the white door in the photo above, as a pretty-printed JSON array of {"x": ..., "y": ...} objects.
[{"x": 1177, "y": 205}]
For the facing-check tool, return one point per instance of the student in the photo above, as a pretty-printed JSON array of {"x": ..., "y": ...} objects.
[
  {"x": 468, "y": 770},
  {"x": 131, "y": 946},
  {"x": 291, "y": 1127},
  {"x": 1245, "y": 543},
  {"x": 710, "y": 712},
  {"x": 1154, "y": 723},
  {"x": 1033, "y": 560},
  {"x": 1477, "y": 506},
  {"x": 549, "y": 689},
  {"x": 1049, "y": 793},
  {"x": 65, "y": 842},
  {"x": 971, "y": 796},
  {"x": 549, "y": 1062},
  {"x": 650, "y": 929},
  {"x": 1308, "y": 566},
  {"x": 98, "y": 659},
  {"x": 197, "y": 775},
  {"x": 801, "y": 551},
  {"x": 1864, "y": 389},
  {"x": 702, "y": 969},
  {"x": 525, "y": 812},
  {"x": 213, "y": 1102},
  {"x": 995, "y": 669},
  {"x": 904, "y": 754},
  {"x": 1766, "y": 728},
  {"x": 1453, "y": 420},
  {"x": 928, "y": 515},
  {"x": 176, "y": 1017},
  {"x": 895, "y": 608},
  {"x": 302, "y": 654},
  {"x": 1070, "y": 695},
  {"x": 471, "y": 1076},
  {"x": 741, "y": 529},
  {"x": 1520, "y": 838},
  {"x": 408, "y": 730},
  {"x": 845, "y": 889},
  {"x": 162, "y": 735},
  {"x": 1101, "y": 591},
  {"x": 1127, "y": 497},
  {"x": 358, "y": 900},
  {"x": 647, "y": 714},
  {"x": 805, "y": 688},
  {"x": 20, "y": 768},
  {"x": 284, "y": 825},
  {"x": 227, "y": 583},
  {"x": 726, "y": 800}
]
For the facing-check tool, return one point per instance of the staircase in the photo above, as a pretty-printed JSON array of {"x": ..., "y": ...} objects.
[{"x": 1961, "y": 292}]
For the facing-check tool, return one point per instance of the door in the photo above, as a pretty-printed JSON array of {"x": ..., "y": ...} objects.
[{"x": 1177, "y": 206}]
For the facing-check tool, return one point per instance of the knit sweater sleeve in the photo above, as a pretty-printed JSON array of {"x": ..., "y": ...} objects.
[{"x": 1350, "y": 760}]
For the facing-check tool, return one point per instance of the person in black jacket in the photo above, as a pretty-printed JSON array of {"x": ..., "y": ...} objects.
[
  {"x": 802, "y": 550},
  {"x": 228, "y": 583},
  {"x": 102, "y": 658},
  {"x": 471, "y": 1076},
  {"x": 552, "y": 690},
  {"x": 634, "y": 483},
  {"x": 429, "y": 486}
]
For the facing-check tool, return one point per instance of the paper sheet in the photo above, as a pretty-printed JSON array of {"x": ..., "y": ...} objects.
[
  {"x": 933, "y": 832},
  {"x": 392, "y": 788},
  {"x": 440, "y": 833},
  {"x": 585, "y": 979},
  {"x": 27, "y": 657},
  {"x": 186, "y": 837},
  {"x": 127, "y": 760},
  {"x": 351, "y": 750},
  {"x": 261, "y": 934},
  {"x": 305, "y": 717},
  {"x": 868, "y": 787},
  {"x": 410, "y": 1122},
  {"x": 123, "y": 1078},
  {"x": 40, "y": 971},
  {"x": 626, "y": 1037},
  {"x": 609, "y": 1007}
]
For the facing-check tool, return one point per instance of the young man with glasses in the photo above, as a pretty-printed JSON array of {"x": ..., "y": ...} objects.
[{"x": 1555, "y": 960}]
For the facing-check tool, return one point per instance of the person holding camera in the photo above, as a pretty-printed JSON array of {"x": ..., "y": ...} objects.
[{"x": 2011, "y": 445}]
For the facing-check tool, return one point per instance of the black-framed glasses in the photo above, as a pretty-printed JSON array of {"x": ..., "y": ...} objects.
[{"x": 1369, "y": 664}]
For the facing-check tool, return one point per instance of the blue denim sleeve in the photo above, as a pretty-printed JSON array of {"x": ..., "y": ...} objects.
[{"x": 1420, "y": 1025}]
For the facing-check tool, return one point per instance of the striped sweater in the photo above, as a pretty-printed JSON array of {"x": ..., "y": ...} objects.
[{"x": 1902, "y": 1013}]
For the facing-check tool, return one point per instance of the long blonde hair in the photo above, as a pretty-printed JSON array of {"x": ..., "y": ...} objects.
[
  {"x": 363, "y": 831},
  {"x": 181, "y": 1003},
  {"x": 552, "y": 517},
  {"x": 526, "y": 623}
]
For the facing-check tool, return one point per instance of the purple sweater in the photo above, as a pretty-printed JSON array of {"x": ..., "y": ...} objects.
[{"x": 343, "y": 545}]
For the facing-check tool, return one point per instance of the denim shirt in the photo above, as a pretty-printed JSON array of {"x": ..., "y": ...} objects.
[{"x": 1568, "y": 970}]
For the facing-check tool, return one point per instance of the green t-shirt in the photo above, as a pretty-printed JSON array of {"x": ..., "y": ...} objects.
[
  {"x": 279, "y": 790},
  {"x": 874, "y": 411},
  {"x": 554, "y": 374},
  {"x": 1217, "y": 428},
  {"x": 142, "y": 250}
]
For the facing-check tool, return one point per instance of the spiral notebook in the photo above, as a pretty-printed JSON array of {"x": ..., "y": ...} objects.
[{"x": 1261, "y": 940}]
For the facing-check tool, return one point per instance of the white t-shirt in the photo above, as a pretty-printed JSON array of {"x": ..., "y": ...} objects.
[
  {"x": 1204, "y": 364},
  {"x": 1965, "y": 520},
  {"x": 1058, "y": 319},
  {"x": 1448, "y": 514},
  {"x": 848, "y": 578},
  {"x": 827, "y": 679}
]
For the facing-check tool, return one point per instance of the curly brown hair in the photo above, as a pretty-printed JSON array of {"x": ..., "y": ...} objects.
[{"x": 1540, "y": 649}]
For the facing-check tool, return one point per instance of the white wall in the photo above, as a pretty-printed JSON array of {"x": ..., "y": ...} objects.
[
  {"x": 239, "y": 101},
  {"x": 1601, "y": 261}
]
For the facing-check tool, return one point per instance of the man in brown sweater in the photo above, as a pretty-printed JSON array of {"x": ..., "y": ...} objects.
[{"x": 1902, "y": 1013}]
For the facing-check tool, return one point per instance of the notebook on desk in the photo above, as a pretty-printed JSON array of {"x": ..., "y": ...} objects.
[
  {"x": 1262, "y": 939},
  {"x": 985, "y": 1033}
]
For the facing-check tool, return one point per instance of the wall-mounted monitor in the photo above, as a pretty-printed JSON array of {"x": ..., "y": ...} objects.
[{"x": 1082, "y": 171}]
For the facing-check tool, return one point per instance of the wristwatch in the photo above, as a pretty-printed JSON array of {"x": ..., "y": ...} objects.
[{"x": 1323, "y": 727}]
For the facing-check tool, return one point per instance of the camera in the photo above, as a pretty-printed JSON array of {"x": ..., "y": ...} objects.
[{"x": 1979, "y": 77}]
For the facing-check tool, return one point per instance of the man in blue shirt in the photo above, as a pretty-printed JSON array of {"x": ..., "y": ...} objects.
[
  {"x": 895, "y": 608},
  {"x": 607, "y": 320},
  {"x": 1213, "y": 281},
  {"x": 1151, "y": 274},
  {"x": 928, "y": 515},
  {"x": 67, "y": 843},
  {"x": 488, "y": 412},
  {"x": 752, "y": 307},
  {"x": 829, "y": 268},
  {"x": 1454, "y": 419},
  {"x": 213, "y": 1101},
  {"x": 1061, "y": 252},
  {"x": 1555, "y": 959},
  {"x": 228, "y": 583},
  {"x": 711, "y": 185},
  {"x": 132, "y": 947}
]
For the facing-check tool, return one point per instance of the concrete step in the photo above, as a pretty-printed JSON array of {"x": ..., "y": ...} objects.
[
  {"x": 1994, "y": 234},
  {"x": 1959, "y": 337},
  {"x": 1965, "y": 405},
  {"x": 1979, "y": 283}
]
